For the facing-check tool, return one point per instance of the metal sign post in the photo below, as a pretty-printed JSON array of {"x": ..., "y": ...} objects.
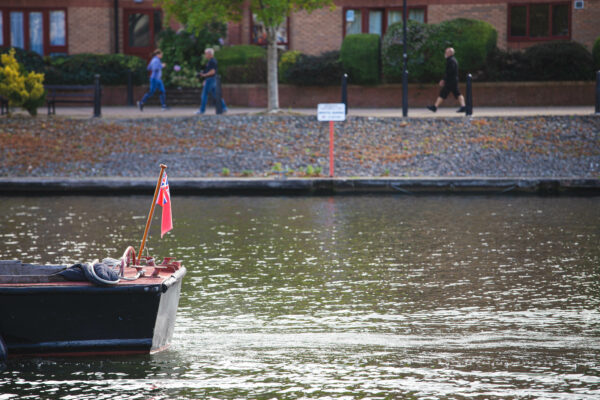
[{"x": 331, "y": 112}]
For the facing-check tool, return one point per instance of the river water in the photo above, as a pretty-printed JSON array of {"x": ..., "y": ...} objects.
[{"x": 392, "y": 297}]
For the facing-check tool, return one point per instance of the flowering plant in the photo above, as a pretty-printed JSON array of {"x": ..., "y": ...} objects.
[{"x": 20, "y": 87}]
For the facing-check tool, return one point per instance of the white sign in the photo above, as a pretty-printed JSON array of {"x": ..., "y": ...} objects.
[{"x": 331, "y": 112}]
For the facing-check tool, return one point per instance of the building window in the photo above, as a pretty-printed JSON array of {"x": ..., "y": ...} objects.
[
  {"x": 17, "y": 35},
  {"x": 141, "y": 29},
  {"x": 40, "y": 30},
  {"x": 36, "y": 31},
  {"x": 259, "y": 33},
  {"x": 1, "y": 29},
  {"x": 58, "y": 35},
  {"x": 376, "y": 20},
  {"x": 353, "y": 22},
  {"x": 539, "y": 21}
]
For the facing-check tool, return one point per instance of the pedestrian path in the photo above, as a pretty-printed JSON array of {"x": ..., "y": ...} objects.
[{"x": 127, "y": 112}]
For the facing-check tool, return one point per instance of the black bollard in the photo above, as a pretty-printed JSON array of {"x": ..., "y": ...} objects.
[
  {"x": 598, "y": 92},
  {"x": 469, "y": 99},
  {"x": 129, "y": 87},
  {"x": 97, "y": 97},
  {"x": 345, "y": 91}
]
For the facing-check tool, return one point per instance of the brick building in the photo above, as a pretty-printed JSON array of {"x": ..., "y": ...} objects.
[
  {"x": 520, "y": 23},
  {"x": 130, "y": 26},
  {"x": 80, "y": 26}
]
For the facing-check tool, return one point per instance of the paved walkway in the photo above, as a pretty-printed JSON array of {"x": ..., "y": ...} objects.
[{"x": 120, "y": 112}]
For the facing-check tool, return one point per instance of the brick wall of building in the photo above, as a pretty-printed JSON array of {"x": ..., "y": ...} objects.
[
  {"x": 586, "y": 23},
  {"x": 316, "y": 32},
  {"x": 89, "y": 30}
]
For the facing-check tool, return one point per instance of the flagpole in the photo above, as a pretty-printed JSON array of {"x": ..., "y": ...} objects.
[{"x": 162, "y": 170}]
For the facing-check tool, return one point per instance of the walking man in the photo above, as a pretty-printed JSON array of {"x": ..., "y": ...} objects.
[
  {"x": 450, "y": 83},
  {"x": 210, "y": 81},
  {"x": 155, "y": 67}
]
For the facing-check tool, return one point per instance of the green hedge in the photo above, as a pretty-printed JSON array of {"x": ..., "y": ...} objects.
[
  {"x": 559, "y": 61},
  {"x": 596, "y": 54},
  {"x": 472, "y": 40},
  {"x": 322, "y": 70},
  {"x": 360, "y": 56},
  {"x": 79, "y": 69},
  {"x": 237, "y": 56}
]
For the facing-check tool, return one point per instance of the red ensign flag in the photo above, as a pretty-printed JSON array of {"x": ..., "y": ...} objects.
[{"x": 164, "y": 200}]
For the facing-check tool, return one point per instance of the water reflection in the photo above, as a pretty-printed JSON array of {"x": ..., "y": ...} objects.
[{"x": 346, "y": 297}]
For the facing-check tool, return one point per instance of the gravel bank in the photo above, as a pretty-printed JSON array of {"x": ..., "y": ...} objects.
[{"x": 257, "y": 145}]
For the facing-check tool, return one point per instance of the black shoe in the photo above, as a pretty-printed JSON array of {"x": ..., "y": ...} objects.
[
  {"x": 461, "y": 110},
  {"x": 140, "y": 105},
  {"x": 432, "y": 108}
]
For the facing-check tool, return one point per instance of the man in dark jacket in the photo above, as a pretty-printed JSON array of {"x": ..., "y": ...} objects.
[{"x": 450, "y": 83}]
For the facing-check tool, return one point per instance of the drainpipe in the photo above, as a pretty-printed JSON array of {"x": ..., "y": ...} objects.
[{"x": 116, "y": 6}]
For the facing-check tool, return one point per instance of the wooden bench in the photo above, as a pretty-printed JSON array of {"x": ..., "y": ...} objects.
[
  {"x": 3, "y": 106},
  {"x": 85, "y": 94}
]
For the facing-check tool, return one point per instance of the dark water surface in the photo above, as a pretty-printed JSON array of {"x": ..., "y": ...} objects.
[{"x": 338, "y": 298}]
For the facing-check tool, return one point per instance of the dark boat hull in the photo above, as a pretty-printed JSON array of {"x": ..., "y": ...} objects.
[{"x": 85, "y": 319}]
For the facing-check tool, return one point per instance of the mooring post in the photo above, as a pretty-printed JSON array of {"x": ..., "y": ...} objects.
[
  {"x": 598, "y": 92},
  {"x": 129, "y": 87},
  {"x": 97, "y": 97},
  {"x": 469, "y": 100},
  {"x": 218, "y": 104},
  {"x": 345, "y": 91}
]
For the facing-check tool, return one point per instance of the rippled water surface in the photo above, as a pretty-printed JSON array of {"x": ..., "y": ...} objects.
[{"x": 339, "y": 298}]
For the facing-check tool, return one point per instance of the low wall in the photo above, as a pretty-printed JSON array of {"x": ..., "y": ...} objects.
[{"x": 486, "y": 94}]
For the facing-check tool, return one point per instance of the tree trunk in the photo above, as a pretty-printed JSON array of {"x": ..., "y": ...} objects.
[{"x": 272, "y": 86}]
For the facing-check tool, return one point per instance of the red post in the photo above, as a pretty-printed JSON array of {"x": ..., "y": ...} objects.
[{"x": 331, "y": 149}]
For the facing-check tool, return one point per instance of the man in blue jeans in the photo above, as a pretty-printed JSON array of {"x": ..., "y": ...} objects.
[
  {"x": 155, "y": 67},
  {"x": 210, "y": 82}
]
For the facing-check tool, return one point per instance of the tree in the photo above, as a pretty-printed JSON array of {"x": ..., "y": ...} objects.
[{"x": 271, "y": 13}]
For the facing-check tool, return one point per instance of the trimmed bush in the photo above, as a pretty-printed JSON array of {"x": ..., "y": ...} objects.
[
  {"x": 559, "y": 61},
  {"x": 30, "y": 60},
  {"x": 79, "y": 69},
  {"x": 505, "y": 66},
  {"x": 472, "y": 40},
  {"x": 596, "y": 54},
  {"x": 393, "y": 49},
  {"x": 254, "y": 71},
  {"x": 360, "y": 58},
  {"x": 322, "y": 70},
  {"x": 238, "y": 55}
]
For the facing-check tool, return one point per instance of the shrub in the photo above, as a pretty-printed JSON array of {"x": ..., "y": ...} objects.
[
  {"x": 506, "y": 66},
  {"x": 254, "y": 71},
  {"x": 286, "y": 60},
  {"x": 360, "y": 58},
  {"x": 238, "y": 55},
  {"x": 393, "y": 50},
  {"x": 472, "y": 40},
  {"x": 596, "y": 54},
  {"x": 559, "y": 61},
  {"x": 324, "y": 70},
  {"x": 186, "y": 49},
  {"x": 21, "y": 88},
  {"x": 30, "y": 60},
  {"x": 79, "y": 69},
  {"x": 184, "y": 76}
]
